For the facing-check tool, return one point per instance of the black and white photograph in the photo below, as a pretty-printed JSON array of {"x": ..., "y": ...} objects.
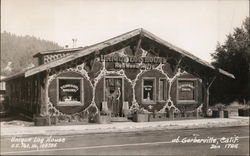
[{"x": 125, "y": 77}]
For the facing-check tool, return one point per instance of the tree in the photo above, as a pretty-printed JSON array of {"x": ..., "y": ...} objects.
[
  {"x": 234, "y": 57},
  {"x": 17, "y": 51}
]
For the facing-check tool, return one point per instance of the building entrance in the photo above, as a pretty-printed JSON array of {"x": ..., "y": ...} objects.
[{"x": 113, "y": 90}]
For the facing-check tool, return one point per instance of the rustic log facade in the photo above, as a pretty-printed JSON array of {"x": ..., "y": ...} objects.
[{"x": 131, "y": 70}]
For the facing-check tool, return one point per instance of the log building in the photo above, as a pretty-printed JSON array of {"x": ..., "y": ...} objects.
[{"x": 134, "y": 69}]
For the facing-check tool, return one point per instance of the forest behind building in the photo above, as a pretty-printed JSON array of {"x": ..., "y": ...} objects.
[{"x": 17, "y": 52}]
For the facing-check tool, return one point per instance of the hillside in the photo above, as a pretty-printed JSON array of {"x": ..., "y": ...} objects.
[{"x": 17, "y": 51}]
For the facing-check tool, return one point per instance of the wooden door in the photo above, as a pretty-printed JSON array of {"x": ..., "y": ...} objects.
[{"x": 113, "y": 90}]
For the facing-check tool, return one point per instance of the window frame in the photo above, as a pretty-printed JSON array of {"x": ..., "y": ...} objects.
[
  {"x": 165, "y": 89},
  {"x": 81, "y": 103},
  {"x": 154, "y": 91},
  {"x": 195, "y": 80}
]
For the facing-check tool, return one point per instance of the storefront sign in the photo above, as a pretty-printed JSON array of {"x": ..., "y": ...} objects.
[
  {"x": 133, "y": 62},
  {"x": 69, "y": 88},
  {"x": 186, "y": 87},
  {"x": 134, "y": 66},
  {"x": 133, "y": 59}
]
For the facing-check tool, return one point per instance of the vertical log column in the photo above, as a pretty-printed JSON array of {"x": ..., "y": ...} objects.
[
  {"x": 207, "y": 86},
  {"x": 43, "y": 119},
  {"x": 44, "y": 93},
  {"x": 206, "y": 99}
]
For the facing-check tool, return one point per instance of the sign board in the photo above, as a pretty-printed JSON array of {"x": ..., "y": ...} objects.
[
  {"x": 133, "y": 62},
  {"x": 69, "y": 88}
]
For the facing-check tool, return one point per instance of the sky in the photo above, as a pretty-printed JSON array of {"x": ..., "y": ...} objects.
[{"x": 194, "y": 25}]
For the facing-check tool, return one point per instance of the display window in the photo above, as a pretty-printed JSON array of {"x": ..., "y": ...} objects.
[
  {"x": 148, "y": 90},
  {"x": 187, "y": 90},
  {"x": 70, "y": 91}
]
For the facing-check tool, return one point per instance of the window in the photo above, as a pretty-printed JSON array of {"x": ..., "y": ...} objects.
[
  {"x": 70, "y": 91},
  {"x": 186, "y": 90},
  {"x": 148, "y": 90},
  {"x": 162, "y": 89}
]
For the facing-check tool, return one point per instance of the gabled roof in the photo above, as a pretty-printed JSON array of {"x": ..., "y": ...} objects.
[
  {"x": 185, "y": 53},
  {"x": 116, "y": 40},
  {"x": 84, "y": 52}
]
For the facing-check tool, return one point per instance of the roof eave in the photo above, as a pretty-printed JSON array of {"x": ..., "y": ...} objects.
[
  {"x": 17, "y": 75},
  {"x": 58, "y": 51},
  {"x": 226, "y": 73}
]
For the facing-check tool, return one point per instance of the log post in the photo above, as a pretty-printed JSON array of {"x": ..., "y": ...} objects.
[
  {"x": 207, "y": 87},
  {"x": 43, "y": 118},
  {"x": 138, "y": 45},
  {"x": 44, "y": 93},
  {"x": 207, "y": 98}
]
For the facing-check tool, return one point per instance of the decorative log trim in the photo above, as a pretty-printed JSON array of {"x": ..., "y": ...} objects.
[
  {"x": 178, "y": 63},
  {"x": 138, "y": 45},
  {"x": 212, "y": 81},
  {"x": 208, "y": 84}
]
